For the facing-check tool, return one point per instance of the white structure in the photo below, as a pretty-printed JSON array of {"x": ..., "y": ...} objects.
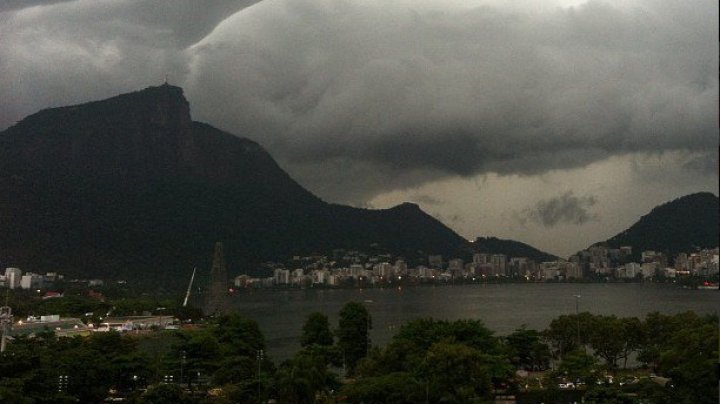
[
  {"x": 282, "y": 276},
  {"x": 480, "y": 258},
  {"x": 31, "y": 281},
  {"x": 384, "y": 269},
  {"x": 648, "y": 269},
  {"x": 456, "y": 266},
  {"x": 573, "y": 270},
  {"x": 401, "y": 267},
  {"x": 499, "y": 261},
  {"x": 320, "y": 276},
  {"x": 13, "y": 277},
  {"x": 633, "y": 268}
]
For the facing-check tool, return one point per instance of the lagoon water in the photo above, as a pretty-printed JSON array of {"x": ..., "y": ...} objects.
[{"x": 502, "y": 307}]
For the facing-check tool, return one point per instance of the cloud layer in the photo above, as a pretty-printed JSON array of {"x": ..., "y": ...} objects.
[
  {"x": 356, "y": 98},
  {"x": 566, "y": 208},
  {"x": 450, "y": 90}
]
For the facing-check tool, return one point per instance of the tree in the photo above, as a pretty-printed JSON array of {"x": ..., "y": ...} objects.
[
  {"x": 607, "y": 339},
  {"x": 569, "y": 332},
  {"x": 606, "y": 394},
  {"x": 690, "y": 358},
  {"x": 577, "y": 365},
  {"x": 316, "y": 331},
  {"x": 238, "y": 335},
  {"x": 526, "y": 349},
  {"x": 164, "y": 393},
  {"x": 301, "y": 378},
  {"x": 423, "y": 333},
  {"x": 352, "y": 333},
  {"x": 392, "y": 388},
  {"x": 632, "y": 337},
  {"x": 457, "y": 373}
]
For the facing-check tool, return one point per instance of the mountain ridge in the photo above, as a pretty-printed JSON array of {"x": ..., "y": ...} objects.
[
  {"x": 684, "y": 224},
  {"x": 131, "y": 185}
]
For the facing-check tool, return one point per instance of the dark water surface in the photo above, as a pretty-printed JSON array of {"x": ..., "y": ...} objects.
[{"x": 502, "y": 307}]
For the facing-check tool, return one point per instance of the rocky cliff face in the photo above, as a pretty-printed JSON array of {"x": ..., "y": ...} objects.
[{"x": 131, "y": 185}]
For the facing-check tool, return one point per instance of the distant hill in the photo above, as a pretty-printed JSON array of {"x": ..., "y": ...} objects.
[
  {"x": 131, "y": 187},
  {"x": 683, "y": 225},
  {"x": 510, "y": 248}
]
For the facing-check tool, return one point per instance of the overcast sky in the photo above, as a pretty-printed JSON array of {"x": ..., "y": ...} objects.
[{"x": 556, "y": 123}]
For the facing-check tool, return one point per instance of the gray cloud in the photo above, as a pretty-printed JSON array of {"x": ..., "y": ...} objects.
[
  {"x": 67, "y": 52},
  {"x": 566, "y": 208},
  {"x": 10, "y": 5},
  {"x": 426, "y": 199},
  {"x": 359, "y": 98},
  {"x": 462, "y": 91}
]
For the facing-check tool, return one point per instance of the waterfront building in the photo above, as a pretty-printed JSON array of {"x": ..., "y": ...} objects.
[
  {"x": 31, "y": 281},
  {"x": 499, "y": 263},
  {"x": 13, "y": 277},
  {"x": 435, "y": 261},
  {"x": 281, "y": 276}
]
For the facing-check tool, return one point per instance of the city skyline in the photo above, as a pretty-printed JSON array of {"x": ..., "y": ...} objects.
[{"x": 557, "y": 124}]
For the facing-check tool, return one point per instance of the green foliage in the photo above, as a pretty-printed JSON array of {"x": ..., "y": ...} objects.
[
  {"x": 392, "y": 388},
  {"x": 447, "y": 361},
  {"x": 163, "y": 394},
  {"x": 458, "y": 373},
  {"x": 238, "y": 335},
  {"x": 607, "y": 338},
  {"x": 316, "y": 331},
  {"x": 92, "y": 366},
  {"x": 301, "y": 378},
  {"x": 569, "y": 332},
  {"x": 607, "y": 394},
  {"x": 690, "y": 359},
  {"x": 527, "y": 350},
  {"x": 578, "y": 365},
  {"x": 423, "y": 333},
  {"x": 352, "y": 333},
  {"x": 652, "y": 392},
  {"x": 437, "y": 361}
]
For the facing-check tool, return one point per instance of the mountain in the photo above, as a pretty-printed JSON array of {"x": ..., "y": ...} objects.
[
  {"x": 682, "y": 225},
  {"x": 511, "y": 248},
  {"x": 131, "y": 187}
]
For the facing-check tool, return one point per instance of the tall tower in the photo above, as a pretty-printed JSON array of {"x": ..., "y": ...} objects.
[{"x": 217, "y": 297}]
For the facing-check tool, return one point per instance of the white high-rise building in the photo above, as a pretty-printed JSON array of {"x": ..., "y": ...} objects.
[
  {"x": 282, "y": 276},
  {"x": 31, "y": 281},
  {"x": 499, "y": 261},
  {"x": 13, "y": 277}
]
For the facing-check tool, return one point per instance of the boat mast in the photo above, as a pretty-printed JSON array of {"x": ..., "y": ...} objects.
[{"x": 187, "y": 295}]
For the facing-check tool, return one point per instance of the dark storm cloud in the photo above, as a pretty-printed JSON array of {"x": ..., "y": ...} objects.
[
  {"x": 455, "y": 91},
  {"x": 359, "y": 97},
  {"x": 706, "y": 163},
  {"x": 9, "y": 5},
  {"x": 75, "y": 51},
  {"x": 567, "y": 208}
]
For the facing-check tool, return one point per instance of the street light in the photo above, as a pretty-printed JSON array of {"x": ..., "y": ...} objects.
[
  {"x": 577, "y": 317},
  {"x": 260, "y": 354},
  {"x": 62, "y": 383},
  {"x": 182, "y": 366}
]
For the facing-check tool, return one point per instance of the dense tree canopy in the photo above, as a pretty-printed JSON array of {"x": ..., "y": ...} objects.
[
  {"x": 426, "y": 361},
  {"x": 316, "y": 331},
  {"x": 353, "y": 334}
]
